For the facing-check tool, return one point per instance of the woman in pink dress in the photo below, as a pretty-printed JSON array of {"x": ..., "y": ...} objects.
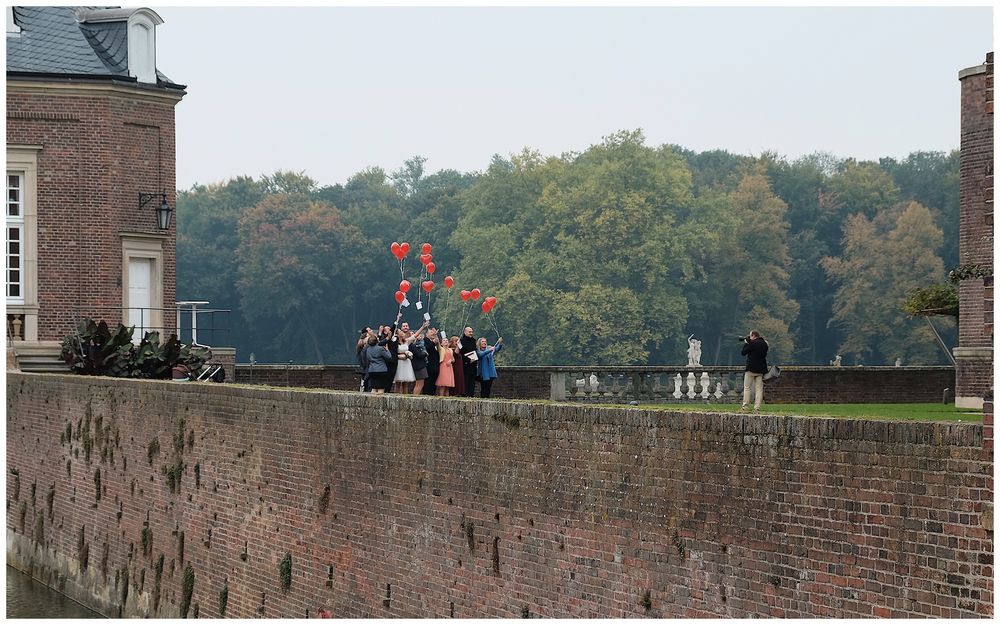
[
  {"x": 446, "y": 376},
  {"x": 457, "y": 367}
]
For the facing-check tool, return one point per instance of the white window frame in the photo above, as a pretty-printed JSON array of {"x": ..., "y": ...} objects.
[
  {"x": 149, "y": 246},
  {"x": 15, "y": 221},
  {"x": 142, "y": 45},
  {"x": 23, "y": 160},
  {"x": 12, "y": 27}
]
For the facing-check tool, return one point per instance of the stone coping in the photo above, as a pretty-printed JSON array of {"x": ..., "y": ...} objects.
[
  {"x": 532, "y": 413},
  {"x": 624, "y": 368}
]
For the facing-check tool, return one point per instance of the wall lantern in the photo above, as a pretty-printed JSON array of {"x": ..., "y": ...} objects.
[{"x": 162, "y": 211}]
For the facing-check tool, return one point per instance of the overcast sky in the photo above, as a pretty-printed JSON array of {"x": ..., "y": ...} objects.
[{"x": 332, "y": 90}]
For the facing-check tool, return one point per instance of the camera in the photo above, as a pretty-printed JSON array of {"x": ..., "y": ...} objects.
[{"x": 743, "y": 339}]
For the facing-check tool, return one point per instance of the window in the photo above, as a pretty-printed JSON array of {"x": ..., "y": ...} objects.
[
  {"x": 142, "y": 48},
  {"x": 15, "y": 237},
  {"x": 22, "y": 238}
]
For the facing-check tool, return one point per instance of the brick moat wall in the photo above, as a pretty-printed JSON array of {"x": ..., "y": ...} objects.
[
  {"x": 143, "y": 498},
  {"x": 823, "y": 385}
]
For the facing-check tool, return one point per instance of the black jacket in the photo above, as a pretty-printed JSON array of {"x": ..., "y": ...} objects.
[
  {"x": 756, "y": 353},
  {"x": 433, "y": 362},
  {"x": 467, "y": 344}
]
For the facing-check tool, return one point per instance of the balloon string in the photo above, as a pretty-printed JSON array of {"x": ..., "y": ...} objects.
[
  {"x": 468, "y": 309},
  {"x": 447, "y": 309}
]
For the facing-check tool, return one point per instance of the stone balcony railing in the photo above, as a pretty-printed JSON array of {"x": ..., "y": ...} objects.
[{"x": 647, "y": 384}]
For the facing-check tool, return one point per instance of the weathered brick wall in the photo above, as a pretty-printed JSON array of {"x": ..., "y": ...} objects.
[
  {"x": 834, "y": 385},
  {"x": 98, "y": 153},
  {"x": 392, "y": 506}
]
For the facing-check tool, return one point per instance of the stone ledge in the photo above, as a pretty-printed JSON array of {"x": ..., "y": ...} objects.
[{"x": 973, "y": 353}]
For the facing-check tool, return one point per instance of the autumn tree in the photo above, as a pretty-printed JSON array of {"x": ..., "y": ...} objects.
[
  {"x": 299, "y": 264},
  {"x": 883, "y": 261}
]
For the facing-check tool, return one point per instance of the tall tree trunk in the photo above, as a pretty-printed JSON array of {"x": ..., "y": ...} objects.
[{"x": 312, "y": 335}]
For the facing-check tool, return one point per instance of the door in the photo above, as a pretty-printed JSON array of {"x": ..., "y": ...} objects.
[{"x": 140, "y": 278}]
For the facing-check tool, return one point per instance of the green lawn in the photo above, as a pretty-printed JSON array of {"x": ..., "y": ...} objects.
[{"x": 902, "y": 412}]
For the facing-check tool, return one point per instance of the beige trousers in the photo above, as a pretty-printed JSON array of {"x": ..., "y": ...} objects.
[{"x": 755, "y": 380}]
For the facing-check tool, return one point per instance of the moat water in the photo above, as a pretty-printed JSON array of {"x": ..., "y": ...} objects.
[{"x": 29, "y": 598}]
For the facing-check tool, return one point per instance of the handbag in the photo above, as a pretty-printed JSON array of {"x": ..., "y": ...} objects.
[{"x": 773, "y": 371}]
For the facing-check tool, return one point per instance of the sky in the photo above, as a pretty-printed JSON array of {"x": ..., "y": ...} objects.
[{"x": 330, "y": 91}]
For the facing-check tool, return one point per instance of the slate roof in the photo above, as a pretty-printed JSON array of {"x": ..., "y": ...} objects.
[{"x": 52, "y": 42}]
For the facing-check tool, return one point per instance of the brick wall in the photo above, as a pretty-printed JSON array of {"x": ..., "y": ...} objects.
[
  {"x": 392, "y": 506},
  {"x": 98, "y": 153},
  {"x": 796, "y": 385},
  {"x": 975, "y": 331}
]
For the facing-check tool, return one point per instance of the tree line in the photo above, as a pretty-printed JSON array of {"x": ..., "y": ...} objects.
[{"x": 610, "y": 256}]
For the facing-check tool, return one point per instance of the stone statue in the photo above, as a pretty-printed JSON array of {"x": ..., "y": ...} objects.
[
  {"x": 836, "y": 361},
  {"x": 694, "y": 352},
  {"x": 899, "y": 362}
]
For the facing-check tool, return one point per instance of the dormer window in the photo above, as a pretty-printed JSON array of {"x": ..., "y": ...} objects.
[
  {"x": 12, "y": 27},
  {"x": 142, "y": 46}
]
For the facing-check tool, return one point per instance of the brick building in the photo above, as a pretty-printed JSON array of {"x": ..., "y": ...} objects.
[
  {"x": 90, "y": 174},
  {"x": 974, "y": 354}
]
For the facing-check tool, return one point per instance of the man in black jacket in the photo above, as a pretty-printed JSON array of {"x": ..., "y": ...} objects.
[
  {"x": 390, "y": 341},
  {"x": 433, "y": 361},
  {"x": 755, "y": 349},
  {"x": 469, "y": 367}
]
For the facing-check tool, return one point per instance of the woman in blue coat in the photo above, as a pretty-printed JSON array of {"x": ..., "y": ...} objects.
[{"x": 487, "y": 368}]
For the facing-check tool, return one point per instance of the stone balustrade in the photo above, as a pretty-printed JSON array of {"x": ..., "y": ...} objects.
[{"x": 648, "y": 384}]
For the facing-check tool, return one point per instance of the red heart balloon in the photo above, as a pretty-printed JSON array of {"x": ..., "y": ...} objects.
[
  {"x": 475, "y": 294},
  {"x": 449, "y": 281},
  {"x": 492, "y": 300},
  {"x": 486, "y": 307},
  {"x": 428, "y": 285},
  {"x": 465, "y": 295},
  {"x": 404, "y": 286},
  {"x": 426, "y": 248},
  {"x": 425, "y": 258},
  {"x": 400, "y": 296},
  {"x": 431, "y": 267},
  {"x": 404, "y": 247},
  {"x": 394, "y": 248}
]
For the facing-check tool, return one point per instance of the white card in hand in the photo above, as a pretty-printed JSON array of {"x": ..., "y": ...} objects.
[{"x": 420, "y": 305}]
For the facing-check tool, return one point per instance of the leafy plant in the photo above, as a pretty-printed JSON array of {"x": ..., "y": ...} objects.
[
  {"x": 94, "y": 350},
  {"x": 936, "y": 299},
  {"x": 969, "y": 271}
]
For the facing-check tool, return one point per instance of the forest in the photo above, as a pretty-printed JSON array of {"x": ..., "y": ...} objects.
[{"x": 610, "y": 256}]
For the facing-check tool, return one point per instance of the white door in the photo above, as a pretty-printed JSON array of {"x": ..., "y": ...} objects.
[{"x": 140, "y": 277}]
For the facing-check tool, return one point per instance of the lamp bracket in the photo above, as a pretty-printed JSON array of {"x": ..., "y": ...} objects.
[{"x": 144, "y": 198}]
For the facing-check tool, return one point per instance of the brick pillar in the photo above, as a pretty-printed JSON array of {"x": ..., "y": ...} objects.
[{"x": 974, "y": 354}]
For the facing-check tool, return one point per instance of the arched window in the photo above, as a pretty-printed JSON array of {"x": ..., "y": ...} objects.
[{"x": 142, "y": 47}]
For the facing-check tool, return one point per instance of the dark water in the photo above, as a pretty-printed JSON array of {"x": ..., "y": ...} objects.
[{"x": 28, "y": 598}]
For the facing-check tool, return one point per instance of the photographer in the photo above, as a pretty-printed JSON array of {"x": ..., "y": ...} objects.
[
  {"x": 362, "y": 357},
  {"x": 755, "y": 349}
]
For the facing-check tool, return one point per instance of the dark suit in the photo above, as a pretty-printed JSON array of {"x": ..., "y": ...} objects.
[
  {"x": 469, "y": 368},
  {"x": 433, "y": 366}
]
